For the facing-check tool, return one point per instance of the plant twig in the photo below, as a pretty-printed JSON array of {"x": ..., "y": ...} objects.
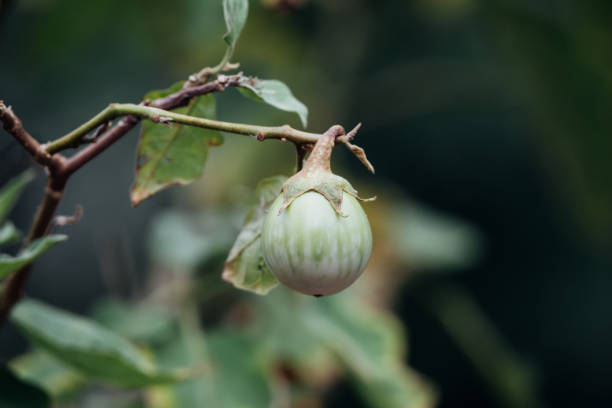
[
  {"x": 261, "y": 132},
  {"x": 14, "y": 285},
  {"x": 12, "y": 124},
  {"x": 12, "y": 289},
  {"x": 60, "y": 169},
  {"x": 173, "y": 101},
  {"x": 202, "y": 76},
  {"x": 133, "y": 113},
  {"x": 182, "y": 97},
  {"x": 357, "y": 151}
]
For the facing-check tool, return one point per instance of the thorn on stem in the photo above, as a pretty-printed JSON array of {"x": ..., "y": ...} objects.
[
  {"x": 357, "y": 151},
  {"x": 163, "y": 120},
  {"x": 351, "y": 135},
  {"x": 260, "y": 136},
  {"x": 230, "y": 66},
  {"x": 101, "y": 129},
  {"x": 360, "y": 153},
  {"x": 62, "y": 220}
]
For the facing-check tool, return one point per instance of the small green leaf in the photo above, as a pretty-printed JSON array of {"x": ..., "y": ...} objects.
[
  {"x": 50, "y": 374},
  {"x": 274, "y": 93},
  {"x": 11, "y": 192},
  {"x": 9, "y": 264},
  {"x": 9, "y": 234},
  {"x": 16, "y": 393},
  {"x": 92, "y": 349},
  {"x": 173, "y": 155},
  {"x": 245, "y": 267},
  {"x": 235, "y": 13}
]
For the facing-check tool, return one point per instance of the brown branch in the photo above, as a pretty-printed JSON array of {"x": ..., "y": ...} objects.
[
  {"x": 12, "y": 124},
  {"x": 60, "y": 169},
  {"x": 173, "y": 101},
  {"x": 14, "y": 285},
  {"x": 182, "y": 97},
  {"x": 12, "y": 289},
  {"x": 357, "y": 151},
  {"x": 104, "y": 141}
]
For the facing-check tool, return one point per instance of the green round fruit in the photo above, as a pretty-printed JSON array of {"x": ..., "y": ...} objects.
[{"x": 311, "y": 248}]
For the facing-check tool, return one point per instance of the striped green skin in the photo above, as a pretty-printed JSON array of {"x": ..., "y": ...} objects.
[{"x": 312, "y": 249}]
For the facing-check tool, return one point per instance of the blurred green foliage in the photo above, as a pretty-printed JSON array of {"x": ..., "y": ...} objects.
[{"x": 9, "y": 195}]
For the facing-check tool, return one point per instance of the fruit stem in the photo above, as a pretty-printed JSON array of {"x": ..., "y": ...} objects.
[{"x": 320, "y": 157}]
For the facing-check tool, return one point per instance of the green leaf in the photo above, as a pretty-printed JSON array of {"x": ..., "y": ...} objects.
[
  {"x": 426, "y": 239},
  {"x": 48, "y": 373},
  {"x": 245, "y": 267},
  {"x": 274, "y": 93},
  {"x": 188, "y": 346},
  {"x": 341, "y": 332},
  {"x": 11, "y": 192},
  {"x": 9, "y": 264},
  {"x": 92, "y": 349},
  {"x": 9, "y": 234},
  {"x": 371, "y": 344},
  {"x": 238, "y": 373},
  {"x": 235, "y": 13},
  {"x": 16, "y": 393},
  {"x": 291, "y": 343},
  {"x": 140, "y": 323},
  {"x": 236, "y": 378},
  {"x": 173, "y": 155},
  {"x": 185, "y": 241}
]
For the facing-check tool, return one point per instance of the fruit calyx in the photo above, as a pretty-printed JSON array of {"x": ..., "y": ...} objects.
[{"x": 316, "y": 175}]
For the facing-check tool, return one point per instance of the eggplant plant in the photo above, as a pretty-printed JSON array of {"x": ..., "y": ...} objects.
[{"x": 291, "y": 331}]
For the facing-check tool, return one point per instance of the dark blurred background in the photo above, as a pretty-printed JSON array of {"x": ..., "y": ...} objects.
[{"x": 498, "y": 112}]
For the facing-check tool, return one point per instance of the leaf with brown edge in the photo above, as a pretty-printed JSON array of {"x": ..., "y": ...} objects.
[
  {"x": 173, "y": 154},
  {"x": 245, "y": 267}
]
